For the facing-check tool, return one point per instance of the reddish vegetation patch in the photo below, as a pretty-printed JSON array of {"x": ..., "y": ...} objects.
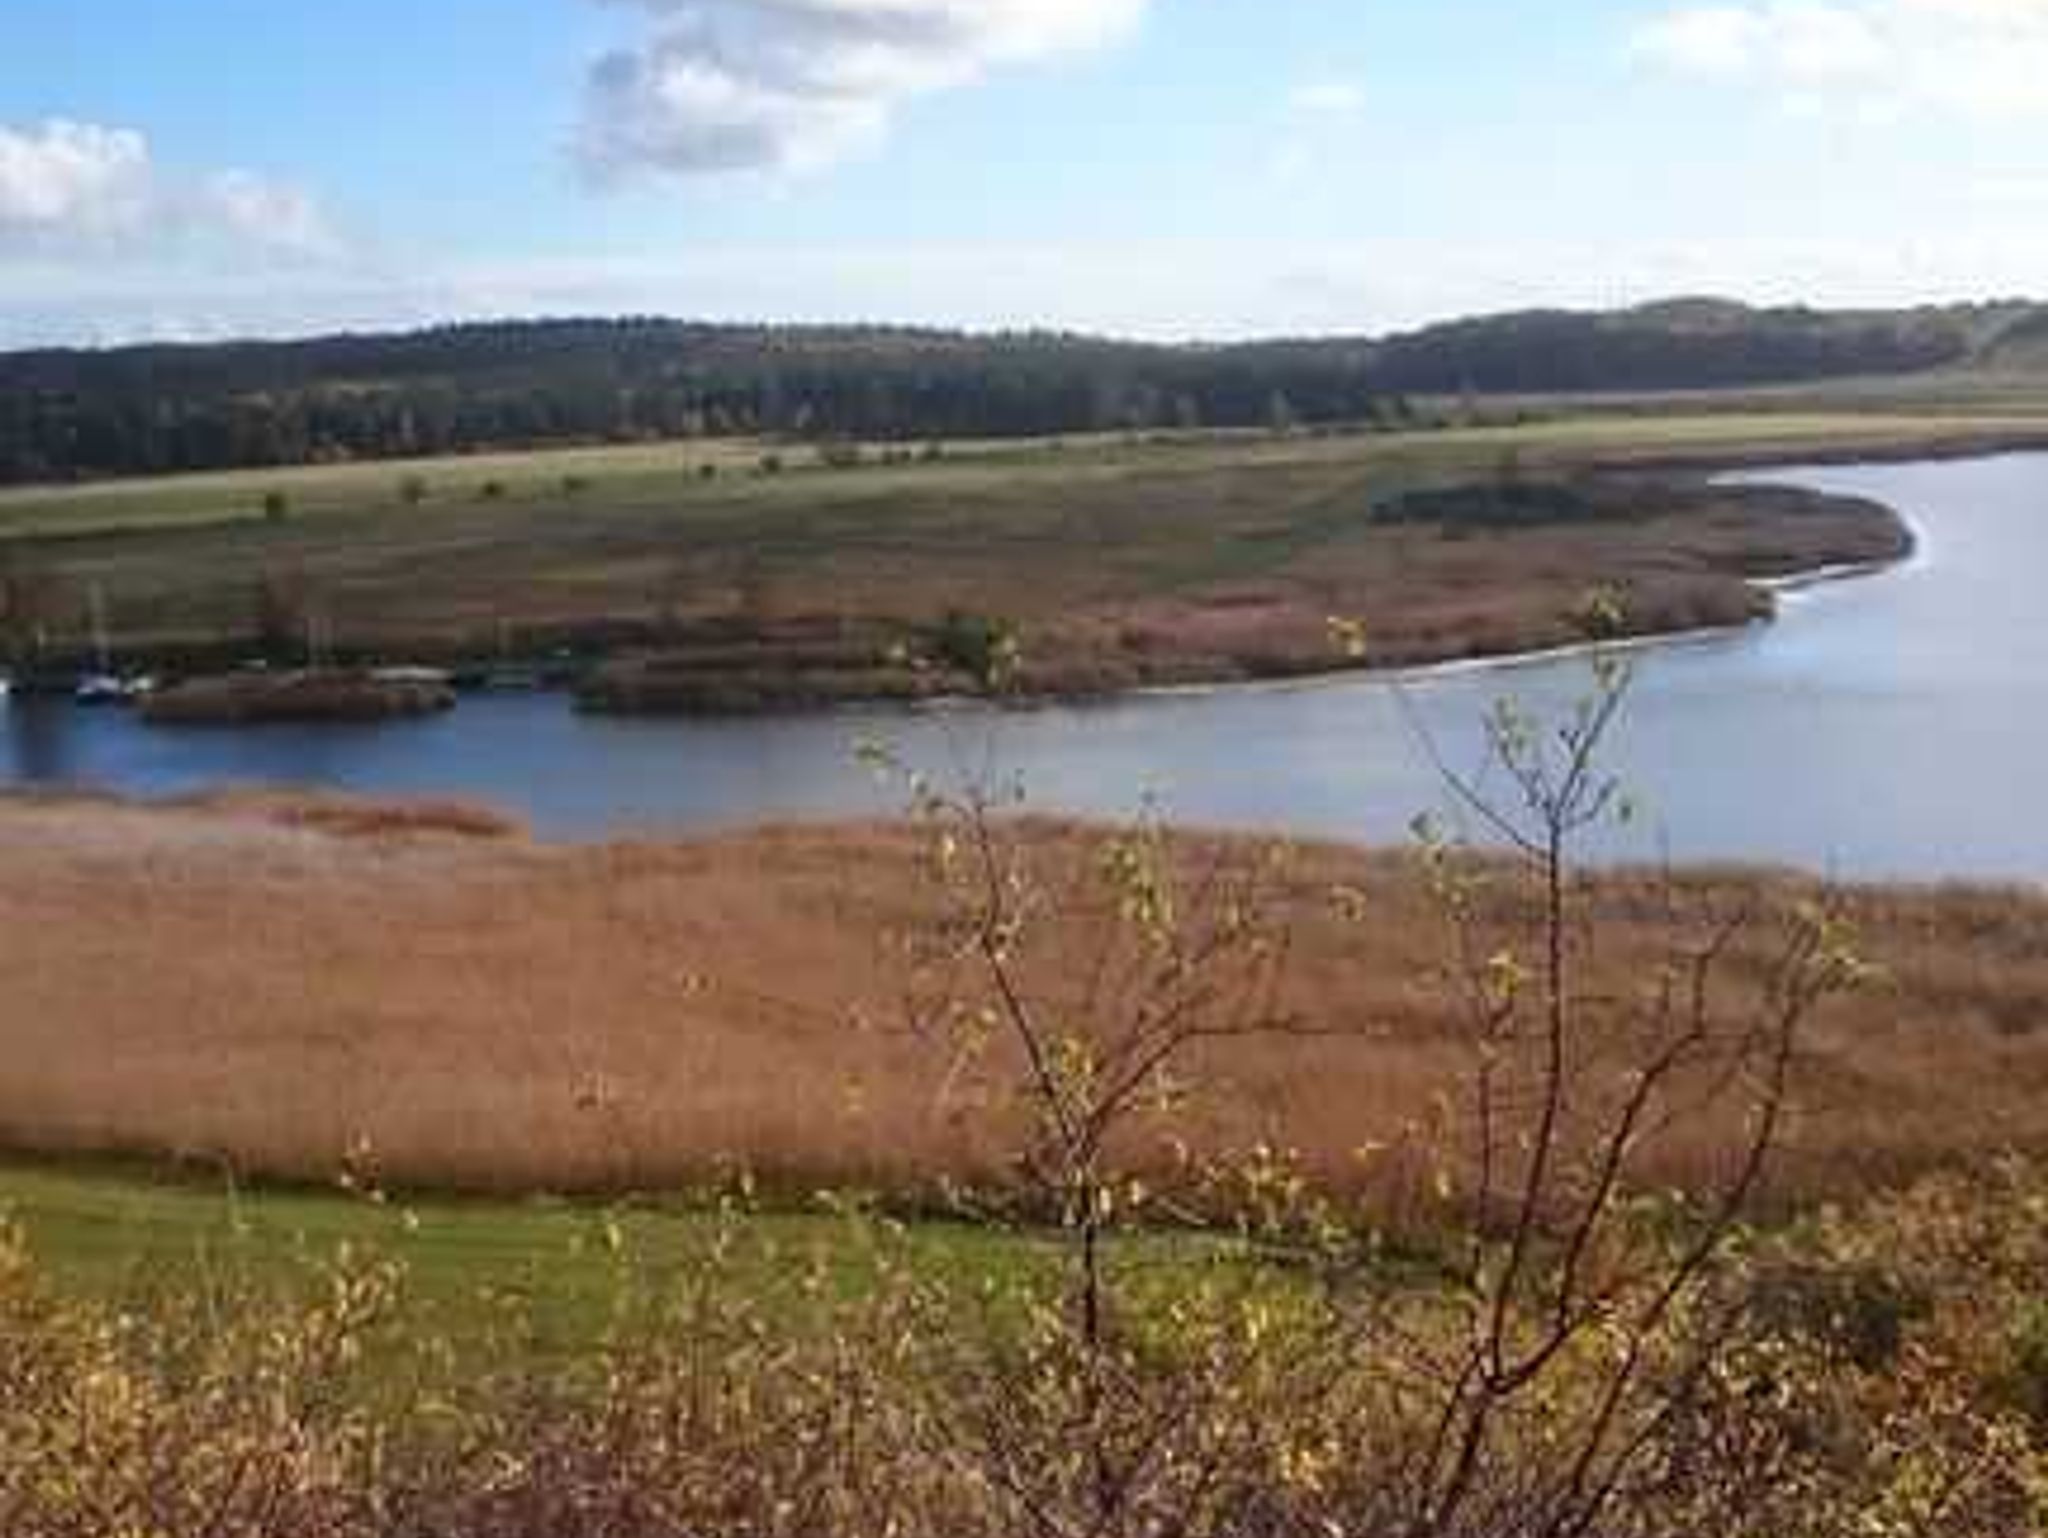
[{"x": 349, "y": 816}]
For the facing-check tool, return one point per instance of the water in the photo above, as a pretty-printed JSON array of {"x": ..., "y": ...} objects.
[{"x": 1894, "y": 725}]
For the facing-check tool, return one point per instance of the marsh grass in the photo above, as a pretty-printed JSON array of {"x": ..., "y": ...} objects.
[{"x": 270, "y": 984}]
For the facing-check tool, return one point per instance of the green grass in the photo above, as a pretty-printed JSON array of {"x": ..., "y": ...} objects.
[
  {"x": 627, "y": 473},
  {"x": 238, "y": 495},
  {"x": 630, "y": 475},
  {"x": 123, "y": 1235},
  {"x": 547, "y": 1278}
]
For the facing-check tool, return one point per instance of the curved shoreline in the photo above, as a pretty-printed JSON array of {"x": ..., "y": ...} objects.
[
  {"x": 1694, "y": 557},
  {"x": 1788, "y": 586}
]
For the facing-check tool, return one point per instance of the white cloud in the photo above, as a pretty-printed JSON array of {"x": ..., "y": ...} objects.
[
  {"x": 264, "y": 213},
  {"x": 726, "y": 85},
  {"x": 1701, "y": 40},
  {"x": 1317, "y": 127},
  {"x": 1328, "y": 98},
  {"x": 1983, "y": 59},
  {"x": 84, "y": 188},
  {"x": 61, "y": 179}
]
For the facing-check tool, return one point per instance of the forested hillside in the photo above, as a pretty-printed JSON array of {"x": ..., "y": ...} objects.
[
  {"x": 1693, "y": 344},
  {"x": 144, "y": 410}
]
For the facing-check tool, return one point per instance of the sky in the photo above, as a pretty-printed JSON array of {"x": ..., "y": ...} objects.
[{"x": 1173, "y": 169}]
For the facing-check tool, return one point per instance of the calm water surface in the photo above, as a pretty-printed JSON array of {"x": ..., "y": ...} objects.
[{"x": 1895, "y": 725}]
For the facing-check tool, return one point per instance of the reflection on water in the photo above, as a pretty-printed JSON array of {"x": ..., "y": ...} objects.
[
  {"x": 1895, "y": 725},
  {"x": 39, "y": 745}
]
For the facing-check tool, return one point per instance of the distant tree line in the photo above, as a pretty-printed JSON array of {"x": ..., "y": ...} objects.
[
  {"x": 154, "y": 409},
  {"x": 68, "y": 414}
]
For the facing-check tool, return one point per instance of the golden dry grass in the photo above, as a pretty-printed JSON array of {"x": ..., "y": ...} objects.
[{"x": 273, "y": 980}]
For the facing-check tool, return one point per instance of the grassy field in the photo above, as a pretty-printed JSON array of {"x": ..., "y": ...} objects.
[
  {"x": 139, "y": 1234},
  {"x": 276, "y": 984},
  {"x": 619, "y": 472},
  {"x": 1163, "y": 560},
  {"x": 1592, "y": 427}
]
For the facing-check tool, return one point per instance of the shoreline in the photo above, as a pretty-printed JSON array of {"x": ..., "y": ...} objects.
[
  {"x": 1695, "y": 603},
  {"x": 1791, "y": 585}
]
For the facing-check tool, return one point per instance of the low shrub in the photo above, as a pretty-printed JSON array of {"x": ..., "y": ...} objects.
[{"x": 867, "y": 1392}]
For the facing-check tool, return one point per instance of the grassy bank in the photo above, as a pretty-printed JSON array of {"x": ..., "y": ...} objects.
[
  {"x": 762, "y": 574},
  {"x": 500, "y": 1374},
  {"x": 276, "y": 983},
  {"x": 140, "y": 1233}
]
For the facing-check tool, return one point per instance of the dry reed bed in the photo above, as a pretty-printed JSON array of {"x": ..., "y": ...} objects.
[{"x": 275, "y": 980}]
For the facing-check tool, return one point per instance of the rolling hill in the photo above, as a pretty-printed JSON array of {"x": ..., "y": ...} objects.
[{"x": 77, "y": 414}]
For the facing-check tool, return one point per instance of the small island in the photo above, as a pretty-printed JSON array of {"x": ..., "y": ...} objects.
[{"x": 261, "y": 697}]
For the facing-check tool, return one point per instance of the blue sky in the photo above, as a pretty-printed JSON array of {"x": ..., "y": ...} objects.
[{"x": 1158, "y": 167}]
